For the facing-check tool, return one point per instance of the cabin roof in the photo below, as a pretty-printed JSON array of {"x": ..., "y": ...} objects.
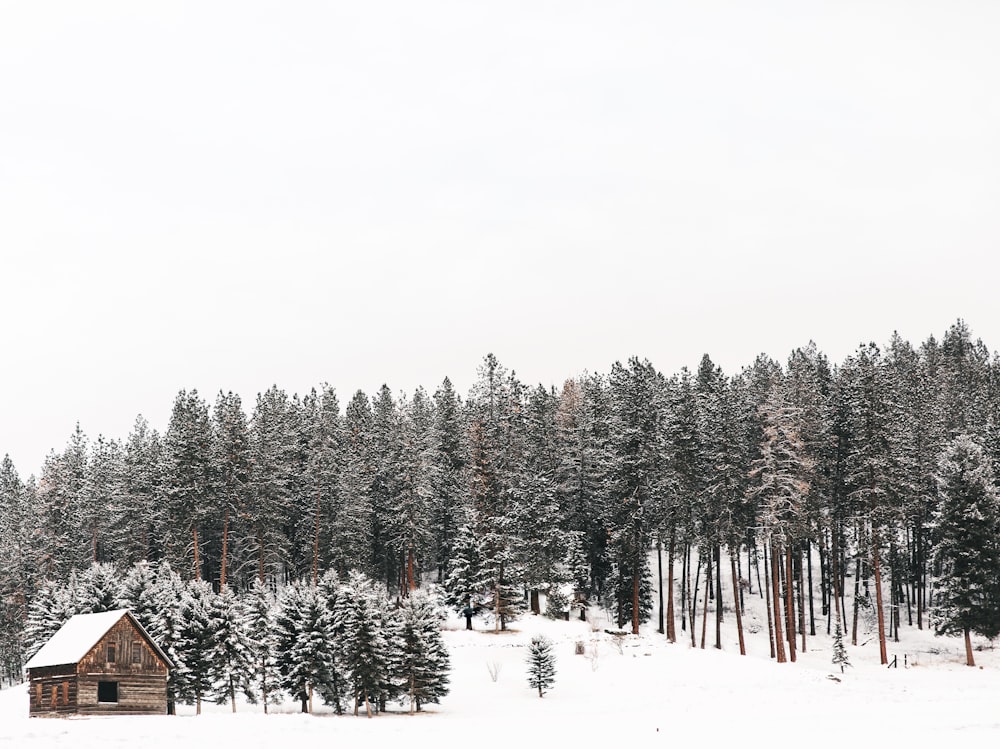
[{"x": 77, "y": 636}]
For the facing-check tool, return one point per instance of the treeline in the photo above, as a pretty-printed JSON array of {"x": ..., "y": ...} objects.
[
  {"x": 342, "y": 641},
  {"x": 810, "y": 473}
]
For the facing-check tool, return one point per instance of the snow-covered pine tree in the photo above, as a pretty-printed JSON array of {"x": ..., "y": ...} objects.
[
  {"x": 170, "y": 594},
  {"x": 197, "y": 641},
  {"x": 231, "y": 470},
  {"x": 50, "y": 608},
  {"x": 232, "y": 654},
  {"x": 449, "y": 460},
  {"x": 303, "y": 628},
  {"x": 420, "y": 662},
  {"x": 138, "y": 594},
  {"x": 966, "y": 531},
  {"x": 336, "y": 691},
  {"x": 360, "y": 612},
  {"x": 839, "y": 651},
  {"x": 541, "y": 665},
  {"x": 259, "y": 624},
  {"x": 99, "y": 588},
  {"x": 462, "y": 578}
]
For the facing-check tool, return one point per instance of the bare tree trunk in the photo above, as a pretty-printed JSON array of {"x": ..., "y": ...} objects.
[
  {"x": 635, "y": 599},
  {"x": 857, "y": 591},
  {"x": 809, "y": 565},
  {"x": 368, "y": 705},
  {"x": 694, "y": 600},
  {"x": 232, "y": 693},
  {"x": 776, "y": 599},
  {"x": 802, "y": 609},
  {"x": 767, "y": 599},
  {"x": 790, "y": 603},
  {"x": 671, "y": 632},
  {"x": 718, "y": 597},
  {"x": 736, "y": 603},
  {"x": 969, "y": 659},
  {"x": 708, "y": 590},
  {"x": 659, "y": 580},
  {"x": 684, "y": 585},
  {"x": 878, "y": 599}
]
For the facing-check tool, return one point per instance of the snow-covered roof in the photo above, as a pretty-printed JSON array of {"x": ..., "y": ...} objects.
[{"x": 77, "y": 636}]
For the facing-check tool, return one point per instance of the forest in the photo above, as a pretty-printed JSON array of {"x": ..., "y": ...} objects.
[{"x": 800, "y": 478}]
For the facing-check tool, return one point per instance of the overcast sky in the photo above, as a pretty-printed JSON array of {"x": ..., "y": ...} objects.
[{"x": 228, "y": 195}]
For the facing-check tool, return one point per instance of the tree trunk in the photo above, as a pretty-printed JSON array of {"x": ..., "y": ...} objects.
[
  {"x": 536, "y": 607},
  {"x": 718, "y": 597},
  {"x": 232, "y": 693},
  {"x": 776, "y": 599},
  {"x": 368, "y": 705},
  {"x": 260, "y": 555},
  {"x": 857, "y": 592},
  {"x": 708, "y": 591},
  {"x": 694, "y": 600},
  {"x": 411, "y": 577},
  {"x": 413, "y": 695},
  {"x": 812, "y": 617},
  {"x": 671, "y": 632},
  {"x": 635, "y": 600},
  {"x": 684, "y": 586},
  {"x": 659, "y": 579},
  {"x": 225, "y": 551},
  {"x": 802, "y": 609},
  {"x": 736, "y": 603},
  {"x": 263, "y": 681},
  {"x": 767, "y": 600},
  {"x": 790, "y": 602},
  {"x": 969, "y": 659},
  {"x": 878, "y": 599},
  {"x": 197, "y": 704}
]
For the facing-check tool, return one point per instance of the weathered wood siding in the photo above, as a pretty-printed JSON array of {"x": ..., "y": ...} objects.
[
  {"x": 140, "y": 673},
  {"x": 141, "y": 676},
  {"x": 52, "y": 690},
  {"x": 137, "y": 695},
  {"x": 126, "y": 639}
]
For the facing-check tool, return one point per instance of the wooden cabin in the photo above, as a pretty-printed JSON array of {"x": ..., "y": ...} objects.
[{"x": 99, "y": 664}]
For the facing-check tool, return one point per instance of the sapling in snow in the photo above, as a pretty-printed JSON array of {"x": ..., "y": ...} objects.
[{"x": 541, "y": 665}]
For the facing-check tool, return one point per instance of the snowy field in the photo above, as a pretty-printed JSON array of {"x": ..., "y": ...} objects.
[{"x": 638, "y": 691}]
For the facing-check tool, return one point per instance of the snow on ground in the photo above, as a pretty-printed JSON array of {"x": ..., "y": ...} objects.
[{"x": 623, "y": 690}]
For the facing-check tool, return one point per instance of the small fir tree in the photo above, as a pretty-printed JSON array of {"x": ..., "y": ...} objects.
[
  {"x": 259, "y": 624},
  {"x": 839, "y": 651},
  {"x": 232, "y": 656},
  {"x": 541, "y": 665}
]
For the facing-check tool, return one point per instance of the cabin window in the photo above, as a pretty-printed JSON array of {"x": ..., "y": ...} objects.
[
  {"x": 136, "y": 652},
  {"x": 107, "y": 691},
  {"x": 111, "y": 652}
]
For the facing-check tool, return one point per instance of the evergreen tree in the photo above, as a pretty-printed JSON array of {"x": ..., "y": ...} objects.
[
  {"x": 231, "y": 469},
  {"x": 303, "y": 634},
  {"x": 99, "y": 588},
  {"x": 138, "y": 593},
  {"x": 967, "y": 550},
  {"x": 167, "y": 630},
  {"x": 232, "y": 651},
  {"x": 839, "y": 651},
  {"x": 420, "y": 664},
  {"x": 197, "y": 641},
  {"x": 541, "y": 665},
  {"x": 359, "y": 615},
  {"x": 259, "y": 625},
  {"x": 188, "y": 479}
]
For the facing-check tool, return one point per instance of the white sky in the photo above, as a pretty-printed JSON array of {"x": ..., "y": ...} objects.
[{"x": 235, "y": 194}]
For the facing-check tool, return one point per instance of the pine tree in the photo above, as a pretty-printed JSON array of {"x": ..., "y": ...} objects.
[
  {"x": 197, "y": 642},
  {"x": 360, "y": 613},
  {"x": 967, "y": 550},
  {"x": 166, "y": 630},
  {"x": 138, "y": 594},
  {"x": 99, "y": 588},
  {"x": 259, "y": 625},
  {"x": 420, "y": 664},
  {"x": 232, "y": 650},
  {"x": 541, "y": 665},
  {"x": 231, "y": 470},
  {"x": 839, "y": 651},
  {"x": 303, "y": 634}
]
